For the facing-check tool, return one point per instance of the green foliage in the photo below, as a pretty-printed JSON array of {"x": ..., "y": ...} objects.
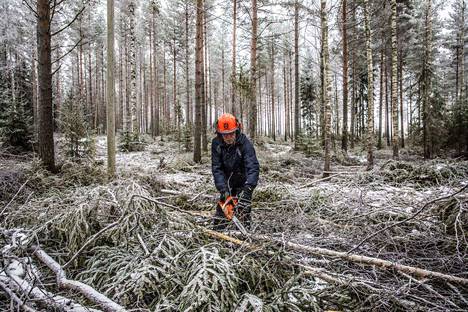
[
  {"x": 309, "y": 91},
  {"x": 427, "y": 174},
  {"x": 16, "y": 107},
  {"x": 78, "y": 142},
  {"x": 458, "y": 126},
  {"x": 309, "y": 145},
  {"x": 209, "y": 282},
  {"x": 15, "y": 125},
  {"x": 131, "y": 142}
]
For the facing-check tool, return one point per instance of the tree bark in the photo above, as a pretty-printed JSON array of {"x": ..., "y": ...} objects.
[
  {"x": 46, "y": 127},
  {"x": 400, "y": 79},
  {"x": 297, "y": 109},
  {"x": 199, "y": 84},
  {"x": 110, "y": 91},
  {"x": 344, "y": 139},
  {"x": 353, "y": 69},
  {"x": 34, "y": 91},
  {"x": 253, "y": 74},
  {"x": 272, "y": 82},
  {"x": 379, "y": 144},
  {"x": 233, "y": 74},
  {"x": 326, "y": 87},
  {"x": 188, "y": 114},
  {"x": 133, "y": 95},
  {"x": 370, "y": 90},
  {"x": 395, "y": 141},
  {"x": 427, "y": 81}
]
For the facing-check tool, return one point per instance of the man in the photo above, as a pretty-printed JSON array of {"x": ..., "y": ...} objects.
[{"x": 235, "y": 169}]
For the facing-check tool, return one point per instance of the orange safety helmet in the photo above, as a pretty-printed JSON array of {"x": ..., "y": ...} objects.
[{"x": 227, "y": 123}]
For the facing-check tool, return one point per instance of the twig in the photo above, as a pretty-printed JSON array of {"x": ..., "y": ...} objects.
[
  {"x": 319, "y": 180},
  {"x": 19, "y": 190},
  {"x": 86, "y": 290},
  {"x": 430, "y": 289},
  {"x": 407, "y": 219},
  {"x": 143, "y": 245},
  {"x": 196, "y": 196},
  {"x": 90, "y": 240},
  {"x": 16, "y": 299}
]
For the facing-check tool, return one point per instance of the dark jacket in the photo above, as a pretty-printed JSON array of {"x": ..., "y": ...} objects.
[{"x": 234, "y": 166}]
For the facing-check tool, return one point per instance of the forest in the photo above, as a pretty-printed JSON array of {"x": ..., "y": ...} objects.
[{"x": 357, "y": 111}]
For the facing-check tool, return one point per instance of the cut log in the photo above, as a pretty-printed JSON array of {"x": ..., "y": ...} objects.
[{"x": 381, "y": 263}]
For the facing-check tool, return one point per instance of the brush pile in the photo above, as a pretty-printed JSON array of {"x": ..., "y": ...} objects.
[{"x": 389, "y": 239}]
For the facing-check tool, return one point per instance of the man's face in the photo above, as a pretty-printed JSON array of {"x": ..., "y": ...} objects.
[{"x": 229, "y": 138}]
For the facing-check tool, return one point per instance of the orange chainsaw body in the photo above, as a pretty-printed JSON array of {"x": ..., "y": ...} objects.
[{"x": 228, "y": 206}]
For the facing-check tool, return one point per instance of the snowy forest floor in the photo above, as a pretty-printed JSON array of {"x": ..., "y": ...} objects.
[{"x": 142, "y": 239}]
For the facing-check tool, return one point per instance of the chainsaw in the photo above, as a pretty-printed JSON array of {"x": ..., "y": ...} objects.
[{"x": 228, "y": 210}]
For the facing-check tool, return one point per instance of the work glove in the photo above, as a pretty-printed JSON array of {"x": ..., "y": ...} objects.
[{"x": 223, "y": 195}]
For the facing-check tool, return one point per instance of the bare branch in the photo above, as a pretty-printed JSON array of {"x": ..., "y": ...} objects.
[
  {"x": 30, "y": 8},
  {"x": 69, "y": 24},
  {"x": 61, "y": 57}
]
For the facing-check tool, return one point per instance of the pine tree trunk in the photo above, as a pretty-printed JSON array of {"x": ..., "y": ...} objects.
[
  {"x": 253, "y": 73},
  {"x": 199, "y": 84},
  {"x": 344, "y": 139},
  {"x": 387, "y": 121},
  {"x": 462, "y": 52},
  {"x": 174, "y": 86},
  {"x": 151, "y": 78},
  {"x": 395, "y": 141},
  {"x": 165, "y": 110},
  {"x": 133, "y": 88},
  {"x": 46, "y": 123},
  {"x": 370, "y": 90},
  {"x": 297, "y": 109},
  {"x": 57, "y": 101},
  {"x": 353, "y": 69},
  {"x": 34, "y": 91},
  {"x": 223, "y": 78},
  {"x": 90, "y": 80},
  {"x": 379, "y": 144},
  {"x": 233, "y": 74},
  {"x": 121, "y": 114},
  {"x": 155, "y": 84},
  {"x": 187, "y": 82},
  {"x": 205, "y": 82},
  {"x": 326, "y": 88},
  {"x": 427, "y": 82},
  {"x": 286, "y": 101},
  {"x": 402, "y": 125},
  {"x": 110, "y": 90},
  {"x": 272, "y": 69}
]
